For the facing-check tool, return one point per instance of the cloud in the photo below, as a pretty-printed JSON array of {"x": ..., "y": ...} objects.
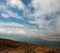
[
  {"x": 57, "y": 25},
  {"x": 46, "y": 9},
  {"x": 8, "y": 14},
  {"x": 43, "y": 5},
  {"x": 11, "y": 24},
  {"x": 5, "y": 15},
  {"x": 45, "y": 16},
  {"x": 12, "y": 31},
  {"x": 16, "y": 3},
  {"x": 12, "y": 28}
]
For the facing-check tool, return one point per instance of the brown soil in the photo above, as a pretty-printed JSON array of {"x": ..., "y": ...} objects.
[{"x": 10, "y": 46}]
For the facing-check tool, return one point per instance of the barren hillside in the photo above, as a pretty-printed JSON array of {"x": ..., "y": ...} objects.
[{"x": 10, "y": 46}]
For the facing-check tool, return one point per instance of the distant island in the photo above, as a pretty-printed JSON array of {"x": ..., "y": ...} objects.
[{"x": 10, "y": 46}]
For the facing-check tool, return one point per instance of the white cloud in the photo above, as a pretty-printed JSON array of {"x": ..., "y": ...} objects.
[
  {"x": 5, "y": 15},
  {"x": 11, "y": 24},
  {"x": 16, "y": 3},
  {"x": 8, "y": 28},
  {"x": 45, "y": 8},
  {"x": 17, "y": 29},
  {"x": 42, "y": 8},
  {"x": 57, "y": 25},
  {"x": 32, "y": 33},
  {"x": 8, "y": 14}
]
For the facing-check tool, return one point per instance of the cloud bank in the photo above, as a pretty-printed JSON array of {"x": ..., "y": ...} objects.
[{"x": 44, "y": 15}]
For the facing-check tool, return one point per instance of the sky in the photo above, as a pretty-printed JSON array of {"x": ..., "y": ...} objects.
[{"x": 30, "y": 18}]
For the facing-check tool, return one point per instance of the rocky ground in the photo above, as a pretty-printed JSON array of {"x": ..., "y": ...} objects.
[{"x": 9, "y": 46}]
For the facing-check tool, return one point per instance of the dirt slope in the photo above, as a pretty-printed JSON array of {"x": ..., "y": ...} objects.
[{"x": 10, "y": 46}]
